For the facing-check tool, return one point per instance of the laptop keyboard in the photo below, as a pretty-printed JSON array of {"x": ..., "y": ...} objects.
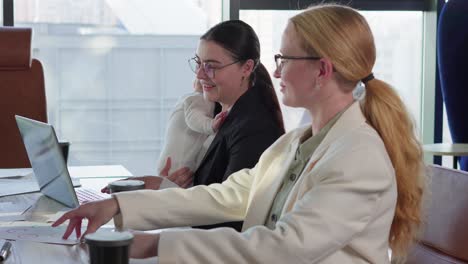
[{"x": 88, "y": 195}]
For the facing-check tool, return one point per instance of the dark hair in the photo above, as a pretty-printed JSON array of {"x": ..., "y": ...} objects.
[{"x": 241, "y": 41}]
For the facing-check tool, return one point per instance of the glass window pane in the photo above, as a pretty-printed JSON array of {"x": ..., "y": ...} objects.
[
  {"x": 121, "y": 16},
  {"x": 399, "y": 52},
  {"x": 114, "y": 69}
]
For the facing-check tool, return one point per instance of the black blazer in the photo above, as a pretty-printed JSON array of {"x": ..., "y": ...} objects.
[{"x": 249, "y": 129}]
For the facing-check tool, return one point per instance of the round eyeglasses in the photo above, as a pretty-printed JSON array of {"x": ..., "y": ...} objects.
[{"x": 208, "y": 68}]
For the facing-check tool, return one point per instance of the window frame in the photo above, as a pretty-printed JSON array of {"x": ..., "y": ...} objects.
[{"x": 368, "y": 5}]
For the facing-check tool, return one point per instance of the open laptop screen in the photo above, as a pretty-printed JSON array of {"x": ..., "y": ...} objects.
[{"x": 47, "y": 161}]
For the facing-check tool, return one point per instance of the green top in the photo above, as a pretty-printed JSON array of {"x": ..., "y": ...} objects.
[{"x": 303, "y": 153}]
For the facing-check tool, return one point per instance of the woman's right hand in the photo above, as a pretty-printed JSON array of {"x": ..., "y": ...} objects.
[
  {"x": 183, "y": 177},
  {"x": 98, "y": 213}
]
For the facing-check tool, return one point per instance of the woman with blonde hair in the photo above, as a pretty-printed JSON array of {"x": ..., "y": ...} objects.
[{"x": 344, "y": 189}]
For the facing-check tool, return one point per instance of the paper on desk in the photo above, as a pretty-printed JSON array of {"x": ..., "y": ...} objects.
[
  {"x": 43, "y": 234},
  {"x": 75, "y": 171},
  {"x": 11, "y": 218},
  {"x": 8, "y": 173},
  {"x": 25, "y": 252},
  {"x": 17, "y": 186},
  {"x": 10, "y": 207},
  {"x": 23, "y": 185},
  {"x": 12, "y": 212}
]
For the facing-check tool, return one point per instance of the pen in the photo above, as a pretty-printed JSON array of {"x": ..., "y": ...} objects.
[{"x": 5, "y": 251}]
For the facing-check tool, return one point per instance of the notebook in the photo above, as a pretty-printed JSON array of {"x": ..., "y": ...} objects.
[{"x": 48, "y": 164}]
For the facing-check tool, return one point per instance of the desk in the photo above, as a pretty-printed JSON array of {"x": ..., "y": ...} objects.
[
  {"x": 96, "y": 177},
  {"x": 447, "y": 149},
  {"x": 26, "y": 252}
]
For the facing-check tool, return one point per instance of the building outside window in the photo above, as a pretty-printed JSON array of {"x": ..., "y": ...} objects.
[{"x": 114, "y": 69}]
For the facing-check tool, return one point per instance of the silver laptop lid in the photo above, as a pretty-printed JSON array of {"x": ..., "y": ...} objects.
[{"x": 47, "y": 162}]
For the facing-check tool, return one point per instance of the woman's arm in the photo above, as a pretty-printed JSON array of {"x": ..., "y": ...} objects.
[
  {"x": 324, "y": 220},
  {"x": 97, "y": 213},
  {"x": 200, "y": 205}
]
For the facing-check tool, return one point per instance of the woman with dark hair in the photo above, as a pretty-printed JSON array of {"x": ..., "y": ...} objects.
[
  {"x": 229, "y": 68},
  {"x": 227, "y": 64}
]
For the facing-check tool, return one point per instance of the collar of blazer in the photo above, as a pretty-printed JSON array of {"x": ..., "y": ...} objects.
[{"x": 351, "y": 119}]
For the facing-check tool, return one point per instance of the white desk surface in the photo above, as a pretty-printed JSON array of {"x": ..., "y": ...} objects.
[
  {"x": 26, "y": 252},
  {"x": 446, "y": 149},
  {"x": 103, "y": 171},
  {"x": 95, "y": 177}
]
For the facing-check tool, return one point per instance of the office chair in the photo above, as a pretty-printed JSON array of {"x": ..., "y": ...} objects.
[
  {"x": 444, "y": 236},
  {"x": 22, "y": 92}
]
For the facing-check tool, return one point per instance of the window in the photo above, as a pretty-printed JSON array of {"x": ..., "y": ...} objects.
[
  {"x": 399, "y": 52},
  {"x": 113, "y": 70}
]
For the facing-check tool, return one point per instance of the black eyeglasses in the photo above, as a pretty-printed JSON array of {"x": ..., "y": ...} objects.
[
  {"x": 280, "y": 59},
  {"x": 207, "y": 67}
]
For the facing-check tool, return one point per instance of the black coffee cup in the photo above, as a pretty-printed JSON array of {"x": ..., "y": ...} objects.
[
  {"x": 127, "y": 185},
  {"x": 109, "y": 247}
]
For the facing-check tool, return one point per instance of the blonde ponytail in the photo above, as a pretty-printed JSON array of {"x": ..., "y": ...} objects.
[{"x": 385, "y": 111}]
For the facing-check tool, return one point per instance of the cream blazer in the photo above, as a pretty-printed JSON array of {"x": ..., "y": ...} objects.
[{"x": 339, "y": 211}]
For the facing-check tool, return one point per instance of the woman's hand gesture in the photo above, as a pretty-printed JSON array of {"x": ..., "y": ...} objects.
[
  {"x": 98, "y": 213},
  {"x": 182, "y": 177}
]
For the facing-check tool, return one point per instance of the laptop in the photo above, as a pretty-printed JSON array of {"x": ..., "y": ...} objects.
[{"x": 48, "y": 164}]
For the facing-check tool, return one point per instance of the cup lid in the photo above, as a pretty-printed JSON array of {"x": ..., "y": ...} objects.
[
  {"x": 127, "y": 185},
  {"x": 109, "y": 239}
]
